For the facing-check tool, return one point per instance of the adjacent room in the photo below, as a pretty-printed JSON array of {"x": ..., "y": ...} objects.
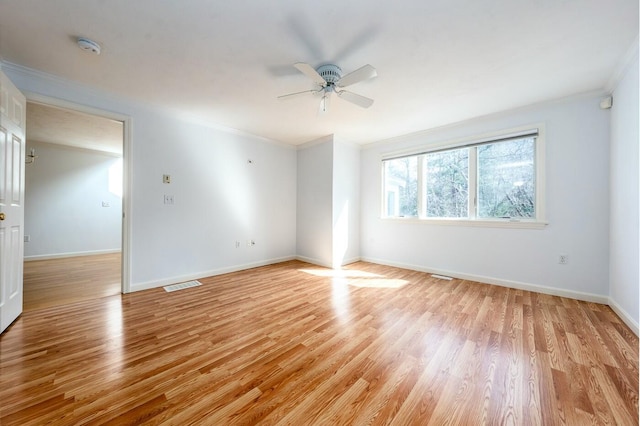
[
  {"x": 73, "y": 207},
  {"x": 351, "y": 213}
]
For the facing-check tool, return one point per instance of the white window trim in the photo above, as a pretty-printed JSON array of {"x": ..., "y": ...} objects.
[
  {"x": 487, "y": 223},
  {"x": 538, "y": 223}
]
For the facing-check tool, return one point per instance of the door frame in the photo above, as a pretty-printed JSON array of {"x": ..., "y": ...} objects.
[{"x": 126, "y": 172}]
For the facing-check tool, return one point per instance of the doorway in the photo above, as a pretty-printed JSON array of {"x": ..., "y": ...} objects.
[{"x": 74, "y": 216}]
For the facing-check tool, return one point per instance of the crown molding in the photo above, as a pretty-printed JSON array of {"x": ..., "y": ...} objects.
[{"x": 622, "y": 66}]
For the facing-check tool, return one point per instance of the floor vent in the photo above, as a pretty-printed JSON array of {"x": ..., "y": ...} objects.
[
  {"x": 442, "y": 277},
  {"x": 181, "y": 286}
]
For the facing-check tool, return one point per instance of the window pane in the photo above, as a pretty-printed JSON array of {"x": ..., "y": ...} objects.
[
  {"x": 506, "y": 179},
  {"x": 447, "y": 183},
  {"x": 401, "y": 187}
]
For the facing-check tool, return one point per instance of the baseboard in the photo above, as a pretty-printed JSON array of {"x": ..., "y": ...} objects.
[
  {"x": 624, "y": 315},
  {"x": 350, "y": 261},
  {"x": 587, "y": 297},
  {"x": 71, "y": 254},
  {"x": 313, "y": 261},
  {"x": 196, "y": 276},
  {"x": 325, "y": 264}
]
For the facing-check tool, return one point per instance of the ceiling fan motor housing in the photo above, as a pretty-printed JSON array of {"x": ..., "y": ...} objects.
[{"x": 331, "y": 73}]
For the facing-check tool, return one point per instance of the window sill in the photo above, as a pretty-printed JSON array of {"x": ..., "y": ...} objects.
[{"x": 483, "y": 223}]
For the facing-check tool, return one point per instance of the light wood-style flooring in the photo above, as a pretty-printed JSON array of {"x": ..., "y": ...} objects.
[
  {"x": 298, "y": 344},
  {"x": 55, "y": 282}
]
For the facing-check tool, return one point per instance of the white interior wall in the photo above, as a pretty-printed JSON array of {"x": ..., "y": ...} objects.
[
  {"x": 346, "y": 203},
  {"x": 228, "y": 190},
  {"x": 219, "y": 198},
  {"x": 577, "y": 181},
  {"x": 314, "y": 234},
  {"x": 624, "y": 243},
  {"x": 64, "y": 191},
  {"x": 328, "y": 213}
]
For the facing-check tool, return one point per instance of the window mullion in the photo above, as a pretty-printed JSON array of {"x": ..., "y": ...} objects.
[
  {"x": 473, "y": 182},
  {"x": 422, "y": 186}
]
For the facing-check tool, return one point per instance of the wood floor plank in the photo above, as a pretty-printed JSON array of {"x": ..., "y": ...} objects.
[
  {"x": 54, "y": 282},
  {"x": 294, "y": 343}
]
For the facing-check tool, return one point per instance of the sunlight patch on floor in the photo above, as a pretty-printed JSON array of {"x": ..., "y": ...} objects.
[
  {"x": 379, "y": 283},
  {"x": 339, "y": 273},
  {"x": 358, "y": 278}
]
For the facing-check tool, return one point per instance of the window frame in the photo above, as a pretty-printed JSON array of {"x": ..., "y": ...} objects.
[{"x": 537, "y": 222}]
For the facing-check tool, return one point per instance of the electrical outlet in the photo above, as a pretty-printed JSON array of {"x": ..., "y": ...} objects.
[
  {"x": 237, "y": 244},
  {"x": 168, "y": 199},
  {"x": 27, "y": 238},
  {"x": 563, "y": 259},
  {"x": 251, "y": 243},
  {"x": 106, "y": 204},
  {"x": 166, "y": 178}
]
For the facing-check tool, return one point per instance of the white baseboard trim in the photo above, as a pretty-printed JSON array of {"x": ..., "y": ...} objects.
[
  {"x": 325, "y": 264},
  {"x": 587, "y": 297},
  {"x": 71, "y": 254},
  {"x": 313, "y": 261},
  {"x": 199, "y": 275},
  {"x": 624, "y": 315},
  {"x": 350, "y": 261}
]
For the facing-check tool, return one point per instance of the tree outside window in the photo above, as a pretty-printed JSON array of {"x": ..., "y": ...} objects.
[
  {"x": 506, "y": 179},
  {"x": 488, "y": 180}
]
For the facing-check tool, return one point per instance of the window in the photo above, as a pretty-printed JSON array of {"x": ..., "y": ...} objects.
[
  {"x": 401, "y": 186},
  {"x": 447, "y": 183},
  {"x": 506, "y": 179},
  {"x": 496, "y": 179}
]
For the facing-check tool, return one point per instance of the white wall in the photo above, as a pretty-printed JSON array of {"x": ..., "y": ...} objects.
[
  {"x": 346, "y": 203},
  {"x": 219, "y": 197},
  {"x": 328, "y": 213},
  {"x": 577, "y": 199},
  {"x": 625, "y": 237},
  {"x": 64, "y": 191},
  {"x": 315, "y": 202}
]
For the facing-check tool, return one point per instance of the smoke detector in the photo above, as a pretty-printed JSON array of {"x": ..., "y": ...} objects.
[{"x": 89, "y": 45}]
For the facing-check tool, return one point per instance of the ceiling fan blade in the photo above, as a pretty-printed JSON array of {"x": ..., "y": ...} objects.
[
  {"x": 363, "y": 73},
  {"x": 310, "y": 72},
  {"x": 292, "y": 95},
  {"x": 354, "y": 98}
]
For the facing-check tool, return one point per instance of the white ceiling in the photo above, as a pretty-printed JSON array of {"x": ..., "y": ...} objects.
[
  {"x": 225, "y": 62},
  {"x": 72, "y": 128}
]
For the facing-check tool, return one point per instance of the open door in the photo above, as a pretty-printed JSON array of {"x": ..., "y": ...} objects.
[{"x": 12, "y": 163}]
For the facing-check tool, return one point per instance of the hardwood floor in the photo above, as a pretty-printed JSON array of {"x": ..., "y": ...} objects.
[
  {"x": 61, "y": 281},
  {"x": 297, "y": 344}
]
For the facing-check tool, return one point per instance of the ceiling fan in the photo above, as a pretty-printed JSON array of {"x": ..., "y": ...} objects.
[{"x": 329, "y": 79}]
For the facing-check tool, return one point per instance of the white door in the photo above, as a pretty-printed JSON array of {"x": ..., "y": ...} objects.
[{"x": 12, "y": 163}]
